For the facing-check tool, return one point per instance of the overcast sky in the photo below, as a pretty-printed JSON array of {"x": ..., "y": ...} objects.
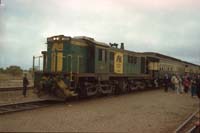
[{"x": 170, "y": 27}]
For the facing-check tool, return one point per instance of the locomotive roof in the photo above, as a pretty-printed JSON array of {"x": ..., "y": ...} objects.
[
  {"x": 93, "y": 41},
  {"x": 161, "y": 55},
  {"x": 83, "y": 38},
  {"x": 89, "y": 39}
]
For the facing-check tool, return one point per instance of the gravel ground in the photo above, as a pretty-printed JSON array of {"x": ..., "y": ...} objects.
[{"x": 150, "y": 111}]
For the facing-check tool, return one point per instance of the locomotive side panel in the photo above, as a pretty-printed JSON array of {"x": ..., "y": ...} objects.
[
  {"x": 77, "y": 57},
  {"x": 68, "y": 56},
  {"x": 132, "y": 64},
  {"x": 101, "y": 59}
]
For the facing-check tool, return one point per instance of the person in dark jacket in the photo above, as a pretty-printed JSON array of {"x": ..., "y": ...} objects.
[
  {"x": 166, "y": 82},
  {"x": 193, "y": 86},
  {"x": 25, "y": 84},
  {"x": 198, "y": 86},
  {"x": 187, "y": 84}
]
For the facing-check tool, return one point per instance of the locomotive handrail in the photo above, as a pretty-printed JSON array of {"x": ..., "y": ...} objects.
[{"x": 36, "y": 57}]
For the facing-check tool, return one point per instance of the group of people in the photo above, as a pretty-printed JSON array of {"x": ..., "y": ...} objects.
[{"x": 183, "y": 84}]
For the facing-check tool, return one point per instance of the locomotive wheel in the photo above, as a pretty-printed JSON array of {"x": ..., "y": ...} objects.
[
  {"x": 82, "y": 93},
  {"x": 123, "y": 86},
  {"x": 142, "y": 86},
  {"x": 60, "y": 93},
  {"x": 117, "y": 90},
  {"x": 91, "y": 91}
]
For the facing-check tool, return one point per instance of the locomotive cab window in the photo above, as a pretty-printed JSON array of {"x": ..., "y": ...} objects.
[
  {"x": 105, "y": 55},
  {"x": 102, "y": 55},
  {"x": 135, "y": 60},
  {"x": 132, "y": 59},
  {"x": 111, "y": 56}
]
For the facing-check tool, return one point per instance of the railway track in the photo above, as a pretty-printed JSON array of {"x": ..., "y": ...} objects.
[
  {"x": 14, "y": 89},
  {"x": 188, "y": 126},
  {"x": 11, "y": 108}
]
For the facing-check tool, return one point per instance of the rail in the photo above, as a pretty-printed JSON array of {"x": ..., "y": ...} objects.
[
  {"x": 10, "y": 108},
  {"x": 188, "y": 125},
  {"x": 14, "y": 88}
]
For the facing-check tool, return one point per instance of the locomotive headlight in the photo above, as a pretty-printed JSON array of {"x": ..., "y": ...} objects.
[{"x": 54, "y": 38}]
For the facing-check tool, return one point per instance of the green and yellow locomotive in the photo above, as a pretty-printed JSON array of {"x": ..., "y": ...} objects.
[{"x": 82, "y": 66}]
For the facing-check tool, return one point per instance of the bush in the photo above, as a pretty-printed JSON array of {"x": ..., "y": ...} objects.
[
  {"x": 14, "y": 70},
  {"x": 2, "y": 70}
]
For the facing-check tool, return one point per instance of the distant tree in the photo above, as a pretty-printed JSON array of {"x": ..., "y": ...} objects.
[
  {"x": 2, "y": 70},
  {"x": 14, "y": 70}
]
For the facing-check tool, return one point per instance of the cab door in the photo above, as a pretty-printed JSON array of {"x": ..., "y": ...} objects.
[
  {"x": 80, "y": 65},
  {"x": 69, "y": 63},
  {"x": 59, "y": 61}
]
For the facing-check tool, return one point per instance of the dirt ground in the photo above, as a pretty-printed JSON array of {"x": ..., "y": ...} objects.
[{"x": 141, "y": 112}]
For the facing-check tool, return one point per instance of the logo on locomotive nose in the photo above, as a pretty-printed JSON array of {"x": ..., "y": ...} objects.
[
  {"x": 118, "y": 62},
  {"x": 119, "y": 59}
]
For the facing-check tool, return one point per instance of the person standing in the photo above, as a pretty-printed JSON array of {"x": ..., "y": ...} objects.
[
  {"x": 198, "y": 86},
  {"x": 176, "y": 84},
  {"x": 156, "y": 82},
  {"x": 193, "y": 86},
  {"x": 180, "y": 84},
  {"x": 173, "y": 80},
  {"x": 25, "y": 84},
  {"x": 166, "y": 82},
  {"x": 186, "y": 84}
]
